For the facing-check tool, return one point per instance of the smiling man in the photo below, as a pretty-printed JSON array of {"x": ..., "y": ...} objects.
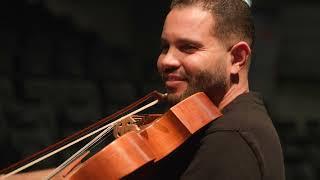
[
  {"x": 206, "y": 45},
  {"x": 196, "y": 57}
]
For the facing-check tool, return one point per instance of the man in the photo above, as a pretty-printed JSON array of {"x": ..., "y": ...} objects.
[{"x": 206, "y": 46}]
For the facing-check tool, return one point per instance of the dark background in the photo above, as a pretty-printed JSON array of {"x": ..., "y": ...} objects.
[{"x": 65, "y": 64}]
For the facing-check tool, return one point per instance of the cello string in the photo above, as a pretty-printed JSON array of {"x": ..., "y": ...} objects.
[
  {"x": 99, "y": 144},
  {"x": 108, "y": 126},
  {"x": 83, "y": 132},
  {"x": 96, "y": 139},
  {"x": 56, "y": 151}
]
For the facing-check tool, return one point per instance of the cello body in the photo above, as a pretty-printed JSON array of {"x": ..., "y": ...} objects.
[{"x": 137, "y": 151}]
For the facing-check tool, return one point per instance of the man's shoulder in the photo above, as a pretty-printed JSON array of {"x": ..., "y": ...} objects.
[
  {"x": 247, "y": 121},
  {"x": 246, "y": 112}
]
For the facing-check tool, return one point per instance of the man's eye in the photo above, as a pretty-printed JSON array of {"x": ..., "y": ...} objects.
[
  {"x": 164, "y": 48},
  {"x": 188, "y": 48}
]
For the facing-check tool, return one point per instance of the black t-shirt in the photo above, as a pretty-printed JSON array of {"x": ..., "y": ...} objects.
[{"x": 242, "y": 145}]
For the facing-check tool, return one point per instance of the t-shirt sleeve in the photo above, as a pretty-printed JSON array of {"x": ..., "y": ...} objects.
[{"x": 223, "y": 155}]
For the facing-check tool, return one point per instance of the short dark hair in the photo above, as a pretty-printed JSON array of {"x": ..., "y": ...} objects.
[{"x": 233, "y": 18}]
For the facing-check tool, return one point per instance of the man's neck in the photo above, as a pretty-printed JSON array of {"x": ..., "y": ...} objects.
[{"x": 233, "y": 93}]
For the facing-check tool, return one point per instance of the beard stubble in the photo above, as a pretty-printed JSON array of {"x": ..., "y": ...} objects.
[{"x": 213, "y": 84}]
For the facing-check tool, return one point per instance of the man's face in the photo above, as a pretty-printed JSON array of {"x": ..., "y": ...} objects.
[{"x": 191, "y": 58}]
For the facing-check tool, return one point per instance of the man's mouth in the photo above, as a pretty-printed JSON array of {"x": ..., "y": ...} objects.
[
  {"x": 172, "y": 81},
  {"x": 173, "y": 77}
]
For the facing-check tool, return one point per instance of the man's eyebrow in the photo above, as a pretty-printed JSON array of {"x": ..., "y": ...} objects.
[
  {"x": 189, "y": 41},
  {"x": 183, "y": 41}
]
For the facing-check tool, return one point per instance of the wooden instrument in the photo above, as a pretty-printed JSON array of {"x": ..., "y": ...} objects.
[{"x": 142, "y": 141}]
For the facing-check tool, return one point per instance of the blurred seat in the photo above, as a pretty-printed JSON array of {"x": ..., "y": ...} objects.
[
  {"x": 7, "y": 63},
  {"x": 293, "y": 153},
  {"x": 312, "y": 154},
  {"x": 300, "y": 171},
  {"x": 313, "y": 129},
  {"x": 75, "y": 118},
  {"x": 296, "y": 101},
  {"x": 40, "y": 90},
  {"x": 61, "y": 91},
  {"x": 299, "y": 42},
  {"x": 70, "y": 56},
  {"x": 77, "y": 102},
  {"x": 5, "y": 132},
  {"x": 80, "y": 115},
  {"x": 119, "y": 92},
  {"x": 79, "y": 92},
  {"x": 4, "y": 129},
  {"x": 8, "y": 49},
  {"x": 36, "y": 56},
  {"x": 28, "y": 142},
  {"x": 118, "y": 95},
  {"x": 30, "y": 116},
  {"x": 32, "y": 126},
  {"x": 148, "y": 87},
  {"x": 108, "y": 63},
  {"x": 266, "y": 51},
  {"x": 287, "y": 129},
  {"x": 7, "y": 90}
]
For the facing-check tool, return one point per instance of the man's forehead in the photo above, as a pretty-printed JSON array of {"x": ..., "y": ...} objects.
[
  {"x": 189, "y": 14},
  {"x": 187, "y": 22}
]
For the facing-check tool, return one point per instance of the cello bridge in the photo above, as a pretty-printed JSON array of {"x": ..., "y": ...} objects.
[{"x": 126, "y": 125}]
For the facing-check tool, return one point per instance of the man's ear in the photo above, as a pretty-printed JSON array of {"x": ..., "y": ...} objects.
[{"x": 240, "y": 53}]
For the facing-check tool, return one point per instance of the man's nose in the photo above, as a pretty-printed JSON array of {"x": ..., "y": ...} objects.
[{"x": 168, "y": 62}]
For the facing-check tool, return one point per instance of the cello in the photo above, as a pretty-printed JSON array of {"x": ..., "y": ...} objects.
[{"x": 141, "y": 141}]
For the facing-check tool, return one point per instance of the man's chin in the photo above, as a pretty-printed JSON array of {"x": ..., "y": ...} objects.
[{"x": 174, "y": 97}]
